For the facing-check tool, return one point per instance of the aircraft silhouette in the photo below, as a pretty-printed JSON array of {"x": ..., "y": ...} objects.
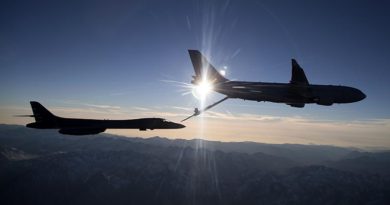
[
  {"x": 44, "y": 119},
  {"x": 296, "y": 93}
]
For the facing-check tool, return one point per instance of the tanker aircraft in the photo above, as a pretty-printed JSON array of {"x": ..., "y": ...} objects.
[{"x": 296, "y": 93}]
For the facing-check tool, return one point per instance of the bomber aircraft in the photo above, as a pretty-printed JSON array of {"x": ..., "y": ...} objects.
[
  {"x": 296, "y": 93},
  {"x": 44, "y": 119}
]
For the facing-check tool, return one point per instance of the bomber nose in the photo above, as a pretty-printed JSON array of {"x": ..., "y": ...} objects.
[{"x": 177, "y": 125}]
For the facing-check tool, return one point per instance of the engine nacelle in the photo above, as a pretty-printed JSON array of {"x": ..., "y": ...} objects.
[
  {"x": 298, "y": 105},
  {"x": 324, "y": 101},
  {"x": 81, "y": 131}
]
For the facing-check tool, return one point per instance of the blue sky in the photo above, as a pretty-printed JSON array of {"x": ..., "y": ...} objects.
[{"x": 124, "y": 54}]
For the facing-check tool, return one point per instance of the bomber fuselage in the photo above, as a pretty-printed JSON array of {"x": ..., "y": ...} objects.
[{"x": 143, "y": 124}]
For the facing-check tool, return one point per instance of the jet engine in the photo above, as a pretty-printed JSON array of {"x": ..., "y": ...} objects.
[{"x": 324, "y": 101}]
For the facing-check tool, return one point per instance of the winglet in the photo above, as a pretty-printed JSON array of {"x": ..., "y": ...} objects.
[{"x": 297, "y": 74}]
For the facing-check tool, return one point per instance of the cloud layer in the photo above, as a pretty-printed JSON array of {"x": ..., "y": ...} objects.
[{"x": 231, "y": 127}]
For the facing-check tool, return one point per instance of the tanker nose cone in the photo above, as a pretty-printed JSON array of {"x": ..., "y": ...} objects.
[
  {"x": 363, "y": 96},
  {"x": 359, "y": 95}
]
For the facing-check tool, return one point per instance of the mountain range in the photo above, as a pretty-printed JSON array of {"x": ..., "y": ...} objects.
[{"x": 44, "y": 167}]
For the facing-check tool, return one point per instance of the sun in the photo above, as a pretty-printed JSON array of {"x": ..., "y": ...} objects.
[
  {"x": 201, "y": 90},
  {"x": 204, "y": 87}
]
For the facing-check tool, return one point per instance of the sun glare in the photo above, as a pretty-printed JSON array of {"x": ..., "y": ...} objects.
[{"x": 202, "y": 89}]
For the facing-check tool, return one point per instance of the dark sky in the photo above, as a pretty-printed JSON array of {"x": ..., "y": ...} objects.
[{"x": 125, "y": 53}]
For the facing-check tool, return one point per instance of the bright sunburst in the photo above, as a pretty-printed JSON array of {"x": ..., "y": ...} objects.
[{"x": 201, "y": 90}]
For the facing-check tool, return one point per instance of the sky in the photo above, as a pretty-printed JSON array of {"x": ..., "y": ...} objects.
[{"x": 128, "y": 59}]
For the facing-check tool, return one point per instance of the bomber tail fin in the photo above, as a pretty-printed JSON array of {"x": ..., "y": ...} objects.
[
  {"x": 203, "y": 69},
  {"x": 41, "y": 114}
]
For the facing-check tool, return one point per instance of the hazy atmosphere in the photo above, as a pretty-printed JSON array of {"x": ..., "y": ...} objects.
[
  {"x": 129, "y": 59},
  {"x": 113, "y": 102}
]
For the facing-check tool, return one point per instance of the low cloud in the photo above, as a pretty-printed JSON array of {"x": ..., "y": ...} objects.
[
  {"x": 102, "y": 106},
  {"x": 141, "y": 108},
  {"x": 76, "y": 102}
]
